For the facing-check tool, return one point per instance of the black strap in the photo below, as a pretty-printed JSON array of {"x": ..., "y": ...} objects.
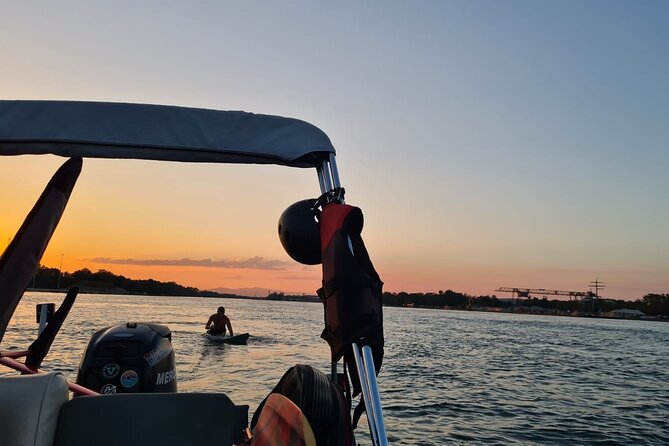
[
  {"x": 357, "y": 413},
  {"x": 40, "y": 348},
  {"x": 345, "y": 283}
]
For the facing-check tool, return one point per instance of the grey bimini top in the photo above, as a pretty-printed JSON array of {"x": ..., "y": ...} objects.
[{"x": 158, "y": 132}]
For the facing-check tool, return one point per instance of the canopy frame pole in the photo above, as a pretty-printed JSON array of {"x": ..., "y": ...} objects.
[
  {"x": 335, "y": 172},
  {"x": 327, "y": 176},
  {"x": 370, "y": 393},
  {"x": 370, "y": 375},
  {"x": 328, "y": 180},
  {"x": 364, "y": 384},
  {"x": 321, "y": 180}
]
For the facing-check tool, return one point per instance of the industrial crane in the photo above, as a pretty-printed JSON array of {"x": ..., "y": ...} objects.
[
  {"x": 529, "y": 292},
  {"x": 573, "y": 295}
]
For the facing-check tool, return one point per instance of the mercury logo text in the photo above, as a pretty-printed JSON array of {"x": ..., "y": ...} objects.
[{"x": 166, "y": 377}]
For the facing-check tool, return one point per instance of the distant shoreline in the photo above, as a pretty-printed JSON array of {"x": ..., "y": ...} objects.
[
  {"x": 651, "y": 306},
  {"x": 116, "y": 292},
  {"x": 547, "y": 313},
  {"x": 315, "y": 299}
]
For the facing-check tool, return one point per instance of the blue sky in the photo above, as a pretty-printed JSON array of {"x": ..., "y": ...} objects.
[{"x": 508, "y": 143}]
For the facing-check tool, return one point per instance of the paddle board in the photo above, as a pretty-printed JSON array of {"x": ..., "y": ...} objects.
[{"x": 236, "y": 339}]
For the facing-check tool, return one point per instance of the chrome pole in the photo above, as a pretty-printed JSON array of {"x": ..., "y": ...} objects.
[
  {"x": 321, "y": 181},
  {"x": 335, "y": 172},
  {"x": 374, "y": 394},
  {"x": 325, "y": 170},
  {"x": 364, "y": 384}
]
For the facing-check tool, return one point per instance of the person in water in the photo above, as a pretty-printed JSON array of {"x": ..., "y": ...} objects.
[{"x": 219, "y": 321}]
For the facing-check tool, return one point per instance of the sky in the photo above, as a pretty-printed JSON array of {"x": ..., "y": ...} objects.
[{"x": 488, "y": 143}]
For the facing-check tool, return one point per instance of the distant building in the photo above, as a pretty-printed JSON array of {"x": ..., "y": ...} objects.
[{"x": 626, "y": 313}]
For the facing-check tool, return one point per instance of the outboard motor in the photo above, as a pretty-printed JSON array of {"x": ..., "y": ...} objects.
[{"x": 129, "y": 358}]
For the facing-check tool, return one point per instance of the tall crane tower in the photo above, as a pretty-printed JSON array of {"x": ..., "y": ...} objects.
[{"x": 597, "y": 285}]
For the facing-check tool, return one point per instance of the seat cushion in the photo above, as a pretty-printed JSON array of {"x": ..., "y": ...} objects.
[
  {"x": 29, "y": 407},
  {"x": 151, "y": 419}
]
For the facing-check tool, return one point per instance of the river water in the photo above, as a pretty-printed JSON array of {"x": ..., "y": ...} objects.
[{"x": 448, "y": 376}]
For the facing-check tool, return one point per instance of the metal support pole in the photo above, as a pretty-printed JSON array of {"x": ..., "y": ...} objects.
[
  {"x": 365, "y": 393},
  {"x": 325, "y": 169},
  {"x": 335, "y": 173},
  {"x": 374, "y": 394},
  {"x": 321, "y": 181}
]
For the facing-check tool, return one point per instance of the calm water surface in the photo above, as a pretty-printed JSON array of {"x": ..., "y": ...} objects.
[{"x": 447, "y": 377}]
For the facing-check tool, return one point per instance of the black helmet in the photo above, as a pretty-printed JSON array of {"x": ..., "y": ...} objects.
[{"x": 299, "y": 232}]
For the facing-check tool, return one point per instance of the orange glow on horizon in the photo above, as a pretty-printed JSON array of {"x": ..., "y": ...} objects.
[
  {"x": 288, "y": 280},
  {"x": 115, "y": 212},
  {"x": 306, "y": 280}
]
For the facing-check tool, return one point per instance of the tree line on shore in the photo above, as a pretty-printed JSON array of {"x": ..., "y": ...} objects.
[
  {"x": 651, "y": 304},
  {"x": 103, "y": 280},
  {"x": 51, "y": 278}
]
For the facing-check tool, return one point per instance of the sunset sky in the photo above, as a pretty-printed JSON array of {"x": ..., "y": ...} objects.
[{"x": 489, "y": 143}]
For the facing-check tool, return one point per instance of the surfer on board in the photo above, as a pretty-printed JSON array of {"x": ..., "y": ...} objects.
[{"x": 219, "y": 321}]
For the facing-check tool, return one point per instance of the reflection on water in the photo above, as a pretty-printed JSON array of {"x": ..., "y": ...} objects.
[{"x": 461, "y": 377}]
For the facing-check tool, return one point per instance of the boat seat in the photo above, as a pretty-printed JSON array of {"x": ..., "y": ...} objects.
[
  {"x": 29, "y": 407},
  {"x": 163, "y": 419}
]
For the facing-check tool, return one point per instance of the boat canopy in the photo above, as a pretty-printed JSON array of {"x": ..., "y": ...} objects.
[{"x": 158, "y": 132}]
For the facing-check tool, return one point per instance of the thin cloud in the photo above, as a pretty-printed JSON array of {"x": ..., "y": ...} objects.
[
  {"x": 251, "y": 263},
  {"x": 297, "y": 277}
]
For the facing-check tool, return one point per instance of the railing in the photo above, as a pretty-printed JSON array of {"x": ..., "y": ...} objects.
[{"x": 9, "y": 359}]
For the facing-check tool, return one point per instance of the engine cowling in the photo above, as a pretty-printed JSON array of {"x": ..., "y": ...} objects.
[{"x": 129, "y": 358}]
